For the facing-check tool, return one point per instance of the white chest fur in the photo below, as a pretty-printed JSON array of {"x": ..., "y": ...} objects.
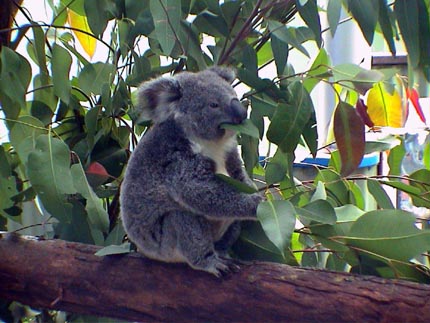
[{"x": 215, "y": 150}]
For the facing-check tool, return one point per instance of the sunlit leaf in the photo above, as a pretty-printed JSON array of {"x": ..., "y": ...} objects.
[
  {"x": 349, "y": 134},
  {"x": 246, "y": 127},
  {"x": 318, "y": 70},
  {"x": 426, "y": 153},
  {"x": 384, "y": 108},
  {"x": 82, "y": 32},
  {"x": 395, "y": 159}
]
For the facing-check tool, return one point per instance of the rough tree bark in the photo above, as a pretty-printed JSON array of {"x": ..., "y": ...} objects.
[{"x": 68, "y": 276}]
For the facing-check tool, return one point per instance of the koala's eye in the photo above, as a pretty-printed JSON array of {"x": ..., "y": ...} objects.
[{"x": 214, "y": 105}]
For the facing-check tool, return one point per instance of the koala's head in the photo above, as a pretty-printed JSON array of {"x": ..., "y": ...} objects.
[{"x": 200, "y": 102}]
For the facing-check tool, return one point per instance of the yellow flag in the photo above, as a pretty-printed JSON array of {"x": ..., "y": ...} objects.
[
  {"x": 385, "y": 109},
  {"x": 87, "y": 42}
]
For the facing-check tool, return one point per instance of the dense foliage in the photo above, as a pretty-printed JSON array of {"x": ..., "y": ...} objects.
[{"x": 71, "y": 124}]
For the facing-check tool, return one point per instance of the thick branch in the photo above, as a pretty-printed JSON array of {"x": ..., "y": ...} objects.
[{"x": 68, "y": 276}]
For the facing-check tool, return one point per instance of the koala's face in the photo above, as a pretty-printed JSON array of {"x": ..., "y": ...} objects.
[
  {"x": 207, "y": 101},
  {"x": 200, "y": 102}
]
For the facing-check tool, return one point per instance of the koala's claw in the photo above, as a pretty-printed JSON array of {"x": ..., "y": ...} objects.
[{"x": 221, "y": 267}]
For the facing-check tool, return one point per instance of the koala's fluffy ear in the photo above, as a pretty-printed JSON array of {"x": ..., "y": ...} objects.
[
  {"x": 155, "y": 98},
  {"x": 226, "y": 73}
]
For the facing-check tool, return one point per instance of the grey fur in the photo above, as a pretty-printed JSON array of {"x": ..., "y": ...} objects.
[{"x": 173, "y": 206}]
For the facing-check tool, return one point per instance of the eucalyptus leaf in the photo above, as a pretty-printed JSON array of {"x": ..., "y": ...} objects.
[
  {"x": 247, "y": 127},
  {"x": 320, "y": 211},
  {"x": 61, "y": 62},
  {"x": 388, "y": 233},
  {"x": 278, "y": 220},
  {"x": 97, "y": 215},
  {"x": 93, "y": 76},
  {"x": 290, "y": 119},
  {"x": 48, "y": 169},
  {"x": 114, "y": 250},
  {"x": 238, "y": 185},
  {"x": 167, "y": 19},
  {"x": 379, "y": 194}
]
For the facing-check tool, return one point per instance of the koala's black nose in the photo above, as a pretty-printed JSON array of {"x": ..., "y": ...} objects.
[{"x": 236, "y": 112}]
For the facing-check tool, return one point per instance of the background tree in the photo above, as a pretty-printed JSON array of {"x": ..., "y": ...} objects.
[{"x": 71, "y": 125}]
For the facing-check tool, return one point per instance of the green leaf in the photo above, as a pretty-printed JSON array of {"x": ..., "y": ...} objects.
[
  {"x": 23, "y": 136},
  {"x": 238, "y": 185},
  {"x": 407, "y": 18},
  {"x": 348, "y": 213},
  {"x": 280, "y": 51},
  {"x": 39, "y": 51},
  {"x": 116, "y": 236},
  {"x": 395, "y": 159},
  {"x": 426, "y": 153},
  {"x": 167, "y": 20},
  {"x": 278, "y": 220},
  {"x": 48, "y": 169},
  {"x": 333, "y": 14},
  {"x": 388, "y": 233},
  {"x": 97, "y": 215},
  {"x": 290, "y": 35},
  {"x": 93, "y": 76},
  {"x": 98, "y": 14},
  {"x": 309, "y": 13},
  {"x": 337, "y": 190},
  {"x": 114, "y": 250},
  {"x": 247, "y": 127},
  {"x": 365, "y": 13},
  {"x": 212, "y": 24},
  {"x": 15, "y": 76},
  {"x": 61, "y": 62},
  {"x": 320, "y": 192},
  {"x": 249, "y": 59},
  {"x": 7, "y": 191},
  {"x": 318, "y": 70},
  {"x": 386, "y": 27},
  {"x": 253, "y": 244},
  {"x": 379, "y": 194},
  {"x": 277, "y": 167},
  {"x": 349, "y": 134},
  {"x": 421, "y": 181},
  {"x": 319, "y": 210},
  {"x": 290, "y": 119}
]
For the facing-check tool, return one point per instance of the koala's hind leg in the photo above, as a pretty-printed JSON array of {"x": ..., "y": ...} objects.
[
  {"x": 228, "y": 239},
  {"x": 195, "y": 244}
]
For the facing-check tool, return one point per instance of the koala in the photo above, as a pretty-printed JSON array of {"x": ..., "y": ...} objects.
[{"x": 173, "y": 206}]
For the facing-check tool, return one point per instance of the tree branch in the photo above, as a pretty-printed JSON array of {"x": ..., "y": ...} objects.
[{"x": 68, "y": 276}]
